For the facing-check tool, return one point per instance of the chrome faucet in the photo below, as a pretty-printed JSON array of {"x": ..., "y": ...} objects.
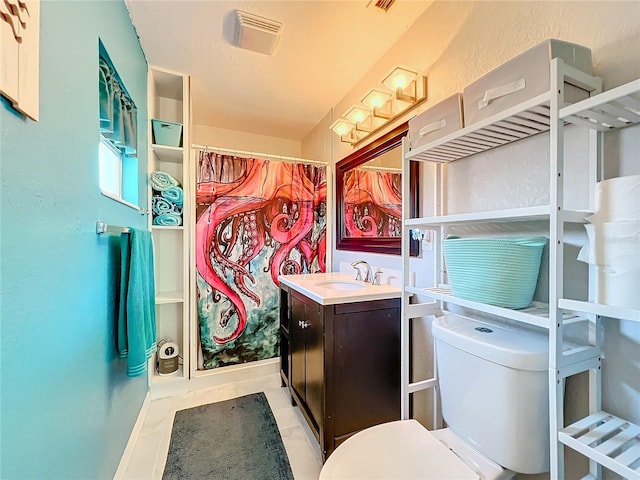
[{"x": 367, "y": 277}]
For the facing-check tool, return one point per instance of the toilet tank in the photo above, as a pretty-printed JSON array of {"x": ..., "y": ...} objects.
[{"x": 494, "y": 390}]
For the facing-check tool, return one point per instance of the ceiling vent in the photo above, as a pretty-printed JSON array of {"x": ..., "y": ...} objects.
[
  {"x": 383, "y": 5},
  {"x": 258, "y": 34}
]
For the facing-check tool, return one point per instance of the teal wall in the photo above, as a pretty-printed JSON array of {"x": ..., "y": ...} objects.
[{"x": 67, "y": 407}]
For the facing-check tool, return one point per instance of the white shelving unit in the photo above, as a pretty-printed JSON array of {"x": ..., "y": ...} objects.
[
  {"x": 606, "y": 440},
  {"x": 169, "y": 100}
]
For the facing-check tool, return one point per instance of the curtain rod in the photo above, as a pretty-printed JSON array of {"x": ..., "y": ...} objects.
[
  {"x": 259, "y": 155},
  {"x": 379, "y": 169}
]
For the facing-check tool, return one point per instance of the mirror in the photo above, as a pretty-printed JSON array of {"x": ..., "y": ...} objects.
[{"x": 369, "y": 197}]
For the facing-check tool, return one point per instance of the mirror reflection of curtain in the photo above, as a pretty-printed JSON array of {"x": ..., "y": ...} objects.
[
  {"x": 372, "y": 203},
  {"x": 256, "y": 219}
]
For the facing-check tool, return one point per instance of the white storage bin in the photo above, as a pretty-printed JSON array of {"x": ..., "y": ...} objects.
[
  {"x": 442, "y": 119},
  {"x": 522, "y": 78}
]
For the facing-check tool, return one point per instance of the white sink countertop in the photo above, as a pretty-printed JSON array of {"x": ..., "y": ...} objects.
[{"x": 334, "y": 288}]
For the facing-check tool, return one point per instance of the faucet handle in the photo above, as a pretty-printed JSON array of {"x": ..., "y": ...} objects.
[
  {"x": 376, "y": 277},
  {"x": 358, "y": 274}
]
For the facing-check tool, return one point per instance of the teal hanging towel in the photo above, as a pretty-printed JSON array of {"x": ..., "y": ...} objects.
[{"x": 137, "y": 314}]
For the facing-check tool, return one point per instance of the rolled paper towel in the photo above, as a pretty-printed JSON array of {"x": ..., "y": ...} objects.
[
  {"x": 615, "y": 244},
  {"x": 617, "y": 200},
  {"x": 160, "y": 205},
  {"x": 174, "y": 195},
  {"x": 161, "y": 181},
  {"x": 618, "y": 287},
  {"x": 168, "y": 219}
]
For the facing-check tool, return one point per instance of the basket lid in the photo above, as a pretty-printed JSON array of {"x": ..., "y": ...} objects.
[{"x": 510, "y": 347}]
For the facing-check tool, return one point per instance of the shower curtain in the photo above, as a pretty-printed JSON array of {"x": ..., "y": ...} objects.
[
  {"x": 372, "y": 203},
  {"x": 256, "y": 219}
]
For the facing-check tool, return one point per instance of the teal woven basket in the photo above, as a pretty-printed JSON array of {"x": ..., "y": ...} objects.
[{"x": 500, "y": 271}]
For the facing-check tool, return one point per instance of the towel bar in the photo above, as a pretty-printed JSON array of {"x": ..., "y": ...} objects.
[{"x": 102, "y": 228}]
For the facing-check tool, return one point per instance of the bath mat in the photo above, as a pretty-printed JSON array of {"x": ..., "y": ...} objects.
[{"x": 236, "y": 439}]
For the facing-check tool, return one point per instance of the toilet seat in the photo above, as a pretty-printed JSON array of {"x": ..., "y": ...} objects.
[{"x": 396, "y": 450}]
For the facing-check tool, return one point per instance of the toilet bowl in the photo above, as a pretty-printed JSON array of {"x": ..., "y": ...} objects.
[
  {"x": 493, "y": 387},
  {"x": 406, "y": 450}
]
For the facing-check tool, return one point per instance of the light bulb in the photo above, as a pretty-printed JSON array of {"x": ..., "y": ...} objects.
[
  {"x": 341, "y": 127},
  {"x": 399, "y": 78},
  {"x": 376, "y": 99},
  {"x": 357, "y": 114},
  {"x": 400, "y": 82}
]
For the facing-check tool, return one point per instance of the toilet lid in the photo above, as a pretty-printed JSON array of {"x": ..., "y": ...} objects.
[{"x": 395, "y": 450}]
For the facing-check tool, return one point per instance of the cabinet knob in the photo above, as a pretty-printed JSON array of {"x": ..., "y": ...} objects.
[{"x": 305, "y": 324}]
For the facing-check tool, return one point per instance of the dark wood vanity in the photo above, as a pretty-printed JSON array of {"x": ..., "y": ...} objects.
[{"x": 341, "y": 363}]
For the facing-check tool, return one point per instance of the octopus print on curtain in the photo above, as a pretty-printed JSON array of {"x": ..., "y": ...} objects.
[
  {"x": 256, "y": 219},
  {"x": 372, "y": 203}
]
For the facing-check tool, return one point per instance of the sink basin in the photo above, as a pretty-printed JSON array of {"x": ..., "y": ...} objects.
[
  {"x": 335, "y": 288},
  {"x": 340, "y": 285}
]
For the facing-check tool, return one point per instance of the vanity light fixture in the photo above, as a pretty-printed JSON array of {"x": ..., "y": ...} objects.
[
  {"x": 379, "y": 103},
  {"x": 403, "y": 89},
  {"x": 341, "y": 126},
  {"x": 345, "y": 130},
  {"x": 361, "y": 117},
  {"x": 403, "y": 82},
  {"x": 357, "y": 114}
]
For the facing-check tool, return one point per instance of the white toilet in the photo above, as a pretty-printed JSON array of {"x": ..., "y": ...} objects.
[{"x": 494, "y": 391}]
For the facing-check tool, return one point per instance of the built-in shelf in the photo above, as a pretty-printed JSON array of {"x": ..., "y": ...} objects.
[
  {"x": 163, "y": 386},
  {"x": 169, "y": 100},
  {"x": 166, "y": 153},
  {"x": 542, "y": 212},
  {"x": 169, "y": 297},
  {"x": 611, "y": 441},
  {"x": 177, "y": 375},
  {"x": 167, "y": 227},
  {"x": 600, "y": 309}
]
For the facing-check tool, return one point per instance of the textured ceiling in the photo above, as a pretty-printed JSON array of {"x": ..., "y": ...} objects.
[{"x": 327, "y": 46}]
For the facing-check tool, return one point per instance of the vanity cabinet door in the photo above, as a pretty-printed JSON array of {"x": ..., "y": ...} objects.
[
  {"x": 366, "y": 369},
  {"x": 297, "y": 346},
  {"x": 307, "y": 354},
  {"x": 314, "y": 358},
  {"x": 285, "y": 313}
]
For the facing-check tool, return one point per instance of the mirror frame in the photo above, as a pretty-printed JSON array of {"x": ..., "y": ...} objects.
[{"x": 389, "y": 245}]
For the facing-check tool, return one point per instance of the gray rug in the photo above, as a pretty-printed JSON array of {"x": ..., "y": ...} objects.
[{"x": 232, "y": 440}]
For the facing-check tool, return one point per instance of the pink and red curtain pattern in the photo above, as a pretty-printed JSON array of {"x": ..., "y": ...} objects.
[
  {"x": 256, "y": 219},
  {"x": 372, "y": 203}
]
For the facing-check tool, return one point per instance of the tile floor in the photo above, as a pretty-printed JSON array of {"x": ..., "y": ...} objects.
[{"x": 150, "y": 451}]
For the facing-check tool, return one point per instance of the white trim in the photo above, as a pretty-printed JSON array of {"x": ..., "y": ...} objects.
[
  {"x": 170, "y": 386},
  {"x": 133, "y": 439},
  {"x": 234, "y": 373},
  {"x": 120, "y": 200}
]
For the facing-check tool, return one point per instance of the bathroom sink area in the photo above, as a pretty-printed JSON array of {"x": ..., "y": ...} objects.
[
  {"x": 336, "y": 288},
  {"x": 341, "y": 285}
]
